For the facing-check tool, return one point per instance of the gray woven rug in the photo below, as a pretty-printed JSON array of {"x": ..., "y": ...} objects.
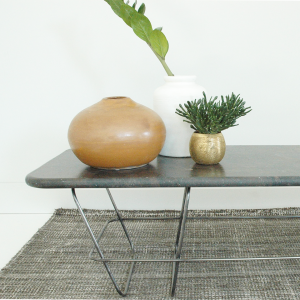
[{"x": 54, "y": 264}]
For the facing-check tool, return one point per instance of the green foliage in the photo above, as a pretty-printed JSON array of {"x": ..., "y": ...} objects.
[
  {"x": 116, "y": 6},
  {"x": 159, "y": 43},
  {"x": 142, "y": 9},
  {"x": 211, "y": 117},
  {"x": 142, "y": 28},
  {"x": 127, "y": 13},
  {"x": 134, "y": 4}
]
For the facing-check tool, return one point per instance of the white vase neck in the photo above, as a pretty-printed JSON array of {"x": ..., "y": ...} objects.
[{"x": 180, "y": 79}]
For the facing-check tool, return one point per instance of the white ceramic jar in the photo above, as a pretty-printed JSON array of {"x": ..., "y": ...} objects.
[{"x": 176, "y": 90}]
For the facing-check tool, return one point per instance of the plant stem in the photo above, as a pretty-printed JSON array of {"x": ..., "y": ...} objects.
[{"x": 163, "y": 62}]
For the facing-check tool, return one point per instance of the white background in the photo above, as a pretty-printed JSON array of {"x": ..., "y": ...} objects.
[{"x": 59, "y": 56}]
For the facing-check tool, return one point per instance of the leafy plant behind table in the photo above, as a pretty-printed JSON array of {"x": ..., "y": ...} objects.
[
  {"x": 142, "y": 28},
  {"x": 211, "y": 117}
]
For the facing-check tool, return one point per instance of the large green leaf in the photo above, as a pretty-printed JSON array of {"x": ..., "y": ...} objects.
[
  {"x": 141, "y": 26},
  {"x": 116, "y": 6},
  {"x": 126, "y": 13},
  {"x": 159, "y": 43}
]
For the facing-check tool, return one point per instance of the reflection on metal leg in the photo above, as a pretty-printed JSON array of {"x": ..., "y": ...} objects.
[
  {"x": 180, "y": 236},
  {"x": 180, "y": 220},
  {"x": 177, "y": 240},
  {"x": 120, "y": 218},
  {"x": 100, "y": 252}
]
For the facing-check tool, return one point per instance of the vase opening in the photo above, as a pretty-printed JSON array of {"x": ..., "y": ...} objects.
[
  {"x": 116, "y": 97},
  {"x": 180, "y": 79}
]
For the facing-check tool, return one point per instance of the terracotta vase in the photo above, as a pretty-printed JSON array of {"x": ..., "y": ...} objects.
[
  {"x": 207, "y": 149},
  {"x": 116, "y": 133}
]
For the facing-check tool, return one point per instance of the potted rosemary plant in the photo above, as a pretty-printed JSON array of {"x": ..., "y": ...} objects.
[{"x": 208, "y": 118}]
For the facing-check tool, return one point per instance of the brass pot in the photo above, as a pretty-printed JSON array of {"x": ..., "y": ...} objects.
[
  {"x": 116, "y": 133},
  {"x": 207, "y": 149}
]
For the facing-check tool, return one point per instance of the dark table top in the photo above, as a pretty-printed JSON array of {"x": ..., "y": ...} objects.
[{"x": 241, "y": 166}]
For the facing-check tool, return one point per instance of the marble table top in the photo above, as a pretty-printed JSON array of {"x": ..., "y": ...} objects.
[{"x": 241, "y": 166}]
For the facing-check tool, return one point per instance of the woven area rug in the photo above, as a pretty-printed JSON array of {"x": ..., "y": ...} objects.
[{"x": 54, "y": 264}]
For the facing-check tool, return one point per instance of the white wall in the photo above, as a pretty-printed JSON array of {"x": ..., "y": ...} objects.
[{"x": 59, "y": 56}]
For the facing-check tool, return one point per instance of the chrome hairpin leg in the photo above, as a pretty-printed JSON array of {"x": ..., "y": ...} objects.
[
  {"x": 120, "y": 218},
  {"x": 179, "y": 237},
  {"x": 178, "y": 243},
  {"x": 95, "y": 241}
]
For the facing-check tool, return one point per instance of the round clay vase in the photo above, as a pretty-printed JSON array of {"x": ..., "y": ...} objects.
[
  {"x": 207, "y": 149},
  {"x": 116, "y": 133}
]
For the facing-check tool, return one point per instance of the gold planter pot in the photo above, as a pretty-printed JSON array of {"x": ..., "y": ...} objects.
[{"x": 207, "y": 149}]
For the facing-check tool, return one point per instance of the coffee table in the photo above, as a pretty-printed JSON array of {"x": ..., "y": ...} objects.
[{"x": 242, "y": 166}]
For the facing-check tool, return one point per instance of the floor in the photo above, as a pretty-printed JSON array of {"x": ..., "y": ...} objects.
[{"x": 15, "y": 231}]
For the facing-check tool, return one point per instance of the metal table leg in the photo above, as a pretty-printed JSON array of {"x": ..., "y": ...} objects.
[
  {"x": 122, "y": 293},
  {"x": 180, "y": 236},
  {"x": 178, "y": 243}
]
